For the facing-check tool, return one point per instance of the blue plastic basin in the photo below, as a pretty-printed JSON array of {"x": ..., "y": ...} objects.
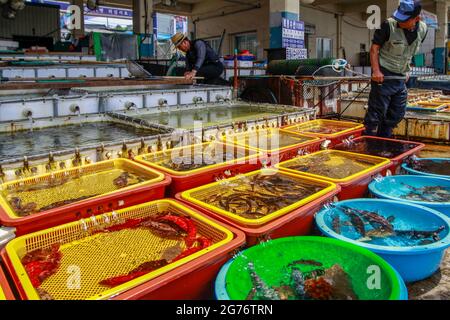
[
  {"x": 409, "y": 170},
  {"x": 393, "y": 188},
  {"x": 414, "y": 262}
]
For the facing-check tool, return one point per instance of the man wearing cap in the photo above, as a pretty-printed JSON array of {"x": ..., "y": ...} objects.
[
  {"x": 393, "y": 47},
  {"x": 201, "y": 59}
]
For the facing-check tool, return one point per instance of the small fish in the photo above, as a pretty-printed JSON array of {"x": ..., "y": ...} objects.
[
  {"x": 356, "y": 221},
  {"x": 416, "y": 234},
  {"x": 375, "y": 219},
  {"x": 336, "y": 224},
  {"x": 262, "y": 289},
  {"x": 306, "y": 263},
  {"x": 378, "y": 233}
]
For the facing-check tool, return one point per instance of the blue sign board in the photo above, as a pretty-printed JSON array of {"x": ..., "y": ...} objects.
[{"x": 293, "y": 34}]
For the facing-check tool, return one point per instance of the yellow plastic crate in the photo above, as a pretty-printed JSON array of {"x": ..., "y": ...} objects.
[
  {"x": 197, "y": 196},
  {"x": 155, "y": 160},
  {"x": 377, "y": 163},
  {"x": 91, "y": 171},
  {"x": 263, "y": 139},
  {"x": 309, "y": 126},
  {"x": 105, "y": 255}
]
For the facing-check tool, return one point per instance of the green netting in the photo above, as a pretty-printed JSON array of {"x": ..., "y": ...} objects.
[{"x": 271, "y": 260}]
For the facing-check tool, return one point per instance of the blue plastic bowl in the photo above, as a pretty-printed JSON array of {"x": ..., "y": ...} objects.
[
  {"x": 392, "y": 188},
  {"x": 421, "y": 173},
  {"x": 413, "y": 263}
]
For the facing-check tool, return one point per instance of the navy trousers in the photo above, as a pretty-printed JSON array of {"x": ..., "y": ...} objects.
[{"x": 387, "y": 107}]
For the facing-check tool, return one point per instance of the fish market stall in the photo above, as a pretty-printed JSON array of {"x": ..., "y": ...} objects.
[
  {"x": 412, "y": 238},
  {"x": 44, "y": 201},
  {"x": 279, "y": 145},
  {"x": 352, "y": 171},
  {"x": 146, "y": 131},
  {"x": 156, "y": 250},
  {"x": 199, "y": 164},
  {"x": 265, "y": 204},
  {"x": 333, "y": 131},
  {"x": 397, "y": 151},
  {"x": 307, "y": 268}
]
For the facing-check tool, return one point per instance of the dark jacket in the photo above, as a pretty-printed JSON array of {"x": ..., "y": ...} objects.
[{"x": 200, "y": 53}]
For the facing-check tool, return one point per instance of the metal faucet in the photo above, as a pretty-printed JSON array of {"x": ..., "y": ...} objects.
[
  {"x": 131, "y": 106},
  {"x": 74, "y": 108},
  {"x": 197, "y": 100},
  {"x": 159, "y": 145},
  {"x": 77, "y": 158},
  {"x": 141, "y": 149},
  {"x": 162, "y": 103},
  {"x": 26, "y": 164},
  {"x": 51, "y": 160},
  {"x": 124, "y": 149}
]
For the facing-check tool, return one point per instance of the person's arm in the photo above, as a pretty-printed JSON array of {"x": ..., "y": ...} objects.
[
  {"x": 377, "y": 75},
  {"x": 201, "y": 55},
  {"x": 380, "y": 37}
]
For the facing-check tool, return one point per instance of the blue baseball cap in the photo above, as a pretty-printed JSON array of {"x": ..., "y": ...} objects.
[{"x": 408, "y": 9}]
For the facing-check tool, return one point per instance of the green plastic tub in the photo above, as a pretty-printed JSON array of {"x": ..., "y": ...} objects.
[{"x": 272, "y": 258}]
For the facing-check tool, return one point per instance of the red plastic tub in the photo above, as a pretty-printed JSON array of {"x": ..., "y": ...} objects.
[
  {"x": 353, "y": 186},
  {"x": 193, "y": 280},
  {"x": 341, "y": 130},
  {"x": 279, "y": 145},
  {"x": 246, "y": 160},
  {"x": 86, "y": 208},
  {"x": 5, "y": 290},
  {"x": 395, "y": 150},
  {"x": 297, "y": 222}
]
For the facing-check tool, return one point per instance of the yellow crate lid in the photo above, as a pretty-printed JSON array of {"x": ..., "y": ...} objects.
[
  {"x": 65, "y": 185},
  {"x": 338, "y": 127},
  {"x": 269, "y": 140},
  {"x": 197, "y": 153},
  {"x": 88, "y": 259},
  {"x": 200, "y": 196},
  {"x": 336, "y": 157}
]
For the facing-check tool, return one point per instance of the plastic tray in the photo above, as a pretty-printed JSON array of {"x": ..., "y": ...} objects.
[
  {"x": 105, "y": 261},
  {"x": 298, "y": 222},
  {"x": 197, "y": 195},
  {"x": 151, "y": 189},
  {"x": 246, "y": 161},
  {"x": 410, "y": 170},
  {"x": 5, "y": 290},
  {"x": 397, "y": 160},
  {"x": 349, "y": 130},
  {"x": 414, "y": 263},
  {"x": 262, "y": 141},
  {"x": 354, "y": 186},
  {"x": 232, "y": 282},
  {"x": 433, "y": 106}
]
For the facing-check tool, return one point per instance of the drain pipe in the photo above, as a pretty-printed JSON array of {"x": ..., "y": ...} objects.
[{"x": 235, "y": 78}]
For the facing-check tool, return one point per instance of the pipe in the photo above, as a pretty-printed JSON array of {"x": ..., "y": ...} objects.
[
  {"x": 223, "y": 14},
  {"x": 235, "y": 78}
]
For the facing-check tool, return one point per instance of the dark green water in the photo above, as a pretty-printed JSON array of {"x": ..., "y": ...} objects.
[{"x": 27, "y": 143}]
